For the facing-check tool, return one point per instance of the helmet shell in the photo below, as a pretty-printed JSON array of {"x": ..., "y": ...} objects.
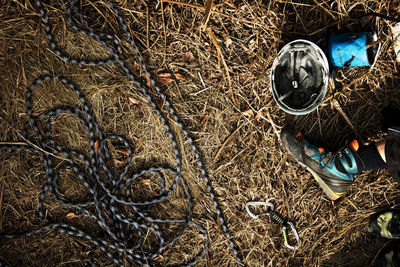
[{"x": 299, "y": 77}]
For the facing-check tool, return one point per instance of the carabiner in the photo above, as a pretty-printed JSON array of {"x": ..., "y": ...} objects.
[
  {"x": 276, "y": 218},
  {"x": 257, "y": 203},
  {"x": 285, "y": 237}
]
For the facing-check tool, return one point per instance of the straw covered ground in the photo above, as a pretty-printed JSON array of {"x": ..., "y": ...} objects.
[{"x": 216, "y": 75}]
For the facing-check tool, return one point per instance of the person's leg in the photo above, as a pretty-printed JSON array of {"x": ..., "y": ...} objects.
[
  {"x": 373, "y": 156},
  {"x": 386, "y": 223},
  {"x": 381, "y": 149},
  {"x": 334, "y": 172}
]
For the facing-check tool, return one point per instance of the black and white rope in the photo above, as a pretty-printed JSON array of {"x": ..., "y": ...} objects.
[{"x": 111, "y": 194}]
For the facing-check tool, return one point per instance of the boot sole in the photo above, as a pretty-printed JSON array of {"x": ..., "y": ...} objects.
[{"x": 331, "y": 194}]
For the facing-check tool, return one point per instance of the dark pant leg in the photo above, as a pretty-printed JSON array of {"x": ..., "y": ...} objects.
[{"x": 392, "y": 152}]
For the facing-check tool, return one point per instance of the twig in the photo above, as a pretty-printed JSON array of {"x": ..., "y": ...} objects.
[
  {"x": 30, "y": 143},
  {"x": 219, "y": 13},
  {"x": 214, "y": 41},
  {"x": 374, "y": 43},
  {"x": 336, "y": 104},
  {"x": 221, "y": 57},
  {"x": 325, "y": 9},
  {"x": 191, "y": 5},
  {"x": 207, "y": 13},
  {"x": 346, "y": 87},
  {"x": 13, "y": 143},
  {"x": 202, "y": 81},
  {"x": 105, "y": 17},
  {"x": 377, "y": 254},
  {"x": 165, "y": 35},
  {"x": 229, "y": 80},
  {"x": 148, "y": 25},
  {"x": 227, "y": 141},
  {"x": 183, "y": 4},
  {"x": 273, "y": 125}
]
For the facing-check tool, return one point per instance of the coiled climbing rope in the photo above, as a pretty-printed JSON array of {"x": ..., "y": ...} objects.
[{"x": 108, "y": 195}]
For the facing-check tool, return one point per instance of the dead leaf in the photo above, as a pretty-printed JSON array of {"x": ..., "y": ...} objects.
[
  {"x": 70, "y": 215},
  {"x": 112, "y": 19},
  {"x": 165, "y": 75},
  {"x": 284, "y": 212},
  {"x": 40, "y": 126},
  {"x": 114, "y": 163},
  {"x": 22, "y": 222},
  {"x": 148, "y": 82},
  {"x": 132, "y": 101},
  {"x": 248, "y": 113},
  {"x": 96, "y": 146},
  {"x": 136, "y": 67},
  {"x": 133, "y": 136},
  {"x": 180, "y": 77},
  {"x": 257, "y": 118},
  {"x": 160, "y": 102},
  {"x": 188, "y": 56},
  {"x": 146, "y": 181},
  {"x": 215, "y": 77},
  {"x": 204, "y": 119},
  {"x": 165, "y": 78},
  {"x": 106, "y": 216},
  {"x": 263, "y": 233}
]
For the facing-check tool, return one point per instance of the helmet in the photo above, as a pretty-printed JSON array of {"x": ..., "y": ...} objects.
[{"x": 299, "y": 77}]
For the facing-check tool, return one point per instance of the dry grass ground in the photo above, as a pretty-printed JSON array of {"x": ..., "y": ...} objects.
[{"x": 211, "y": 99}]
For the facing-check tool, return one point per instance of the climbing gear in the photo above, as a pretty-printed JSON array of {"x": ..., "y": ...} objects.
[
  {"x": 333, "y": 172},
  {"x": 352, "y": 49},
  {"x": 299, "y": 77},
  {"x": 123, "y": 234},
  {"x": 276, "y": 218},
  {"x": 385, "y": 224}
]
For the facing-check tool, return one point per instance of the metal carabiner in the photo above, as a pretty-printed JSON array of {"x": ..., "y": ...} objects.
[
  {"x": 285, "y": 236},
  {"x": 258, "y": 203},
  {"x": 276, "y": 218}
]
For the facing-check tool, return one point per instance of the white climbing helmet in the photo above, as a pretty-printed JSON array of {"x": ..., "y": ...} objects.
[{"x": 299, "y": 77}]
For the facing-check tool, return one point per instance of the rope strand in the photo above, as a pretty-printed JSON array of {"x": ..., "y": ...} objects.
[{"x": 109, "y": 196}]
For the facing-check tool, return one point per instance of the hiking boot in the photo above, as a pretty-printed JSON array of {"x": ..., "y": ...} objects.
[
  {"x": 333, "y": 172},
  {"x": 385, "y": 224}
]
